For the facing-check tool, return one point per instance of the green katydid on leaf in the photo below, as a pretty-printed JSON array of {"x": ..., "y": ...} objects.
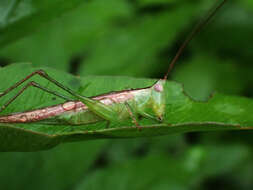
[{"x": 151, "y": 108}]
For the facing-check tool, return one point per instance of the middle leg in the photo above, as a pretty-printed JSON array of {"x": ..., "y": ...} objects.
[{"x": 131, "y": 113}]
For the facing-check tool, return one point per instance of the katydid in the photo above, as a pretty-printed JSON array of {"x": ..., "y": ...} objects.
[{"x": 113, "y": 107}]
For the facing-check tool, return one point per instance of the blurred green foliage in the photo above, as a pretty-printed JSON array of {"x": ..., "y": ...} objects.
[{"x": 134, "y": 38}]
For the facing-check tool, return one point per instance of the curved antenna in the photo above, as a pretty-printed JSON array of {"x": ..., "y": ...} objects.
[{"x": 195, "y": 31}]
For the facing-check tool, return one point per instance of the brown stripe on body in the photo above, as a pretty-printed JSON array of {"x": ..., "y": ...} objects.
[
  {"x": 71, "y": 106},
  {"x": 43, "y": 113}
]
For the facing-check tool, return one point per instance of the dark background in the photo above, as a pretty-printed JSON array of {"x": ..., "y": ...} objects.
[{"x": 138, "y": 38}]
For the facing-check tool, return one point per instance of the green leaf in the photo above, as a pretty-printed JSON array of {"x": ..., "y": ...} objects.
[
  {"x": 209, "y": 77},
  {"x": 170, "y": 171},
  {"x": 94, "y": 31},
  {"x": 156, "y": 172},
  {"x": 61, "y": 167},
  {"x": 183, "y": 114},
  {"x": 27, "y": 16},
  {"x": 138, "y": 51}
]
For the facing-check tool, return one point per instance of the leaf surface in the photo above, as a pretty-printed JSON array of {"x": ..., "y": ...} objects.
[
  {"x": 183, "y": 114},
  {"x": 27, "y": 16}
]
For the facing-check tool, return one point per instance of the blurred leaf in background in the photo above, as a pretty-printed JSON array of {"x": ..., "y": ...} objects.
[{"x": 135, "y": 38}]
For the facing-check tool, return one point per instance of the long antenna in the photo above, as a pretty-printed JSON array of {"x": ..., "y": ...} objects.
[{"x": 195, "y": 31}]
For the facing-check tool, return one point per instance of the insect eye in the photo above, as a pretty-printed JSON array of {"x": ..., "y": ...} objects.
[{"x": 158, "y": 87}]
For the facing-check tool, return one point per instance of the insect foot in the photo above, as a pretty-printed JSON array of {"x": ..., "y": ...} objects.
[{"x": 137, "y": 125}]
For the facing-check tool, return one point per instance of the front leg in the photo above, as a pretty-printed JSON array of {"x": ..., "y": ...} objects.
[{"x": 148, "y": 116}]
